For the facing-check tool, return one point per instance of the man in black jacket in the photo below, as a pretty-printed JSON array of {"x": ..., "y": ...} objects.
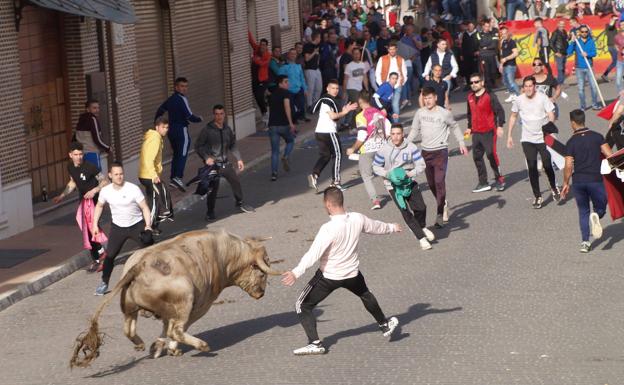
[
  {"x": 559, "y": 45},
  {"x": 469, "y": 52},
  {"x": 488, "y": 49},
  {"x": 215, "y": 141}
]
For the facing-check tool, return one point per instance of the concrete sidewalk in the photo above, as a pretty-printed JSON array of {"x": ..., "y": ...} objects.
[{"x": 54, "y": 244}]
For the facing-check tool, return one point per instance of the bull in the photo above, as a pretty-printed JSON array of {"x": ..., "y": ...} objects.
[{"x": 177, "y": 281}]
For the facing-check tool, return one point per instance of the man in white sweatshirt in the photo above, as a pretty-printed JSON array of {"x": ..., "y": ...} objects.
[{"x": 335, "y": 246}]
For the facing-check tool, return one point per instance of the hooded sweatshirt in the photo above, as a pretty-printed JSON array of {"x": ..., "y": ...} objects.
[{"x": 150, "y": 161}]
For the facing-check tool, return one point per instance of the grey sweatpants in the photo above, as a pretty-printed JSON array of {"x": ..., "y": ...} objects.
[{"x": 366, "y": 171}]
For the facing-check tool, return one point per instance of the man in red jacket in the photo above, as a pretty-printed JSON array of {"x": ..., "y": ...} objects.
[
  {"x": 486, "y": 118},
  {"x": 261, "y": 60}
]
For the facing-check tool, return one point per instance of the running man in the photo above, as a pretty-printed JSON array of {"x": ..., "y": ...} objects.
[
  {"x": 535, "y": 110},
  {"x": 326, "y": 134},
  {"x": 131, "y": 219},
  {"x": 434, "y": 124},
  {"x": 486, "y": 118},
  {"x": 89, "y": 180},
  {"x": 336, "y": 246}
]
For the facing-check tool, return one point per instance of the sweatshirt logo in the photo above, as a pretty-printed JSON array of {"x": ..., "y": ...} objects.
[{"x": 82, "y": 176}]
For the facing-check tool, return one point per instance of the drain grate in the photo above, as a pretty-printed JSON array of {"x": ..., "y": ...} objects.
[{"x": 13, "y": 257}]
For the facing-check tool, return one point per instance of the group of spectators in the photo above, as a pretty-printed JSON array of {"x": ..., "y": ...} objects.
[{"x": 531, "y": 9}]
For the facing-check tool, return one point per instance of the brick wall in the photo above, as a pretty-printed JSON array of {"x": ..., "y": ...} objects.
[{"x": 13, "y": 157}]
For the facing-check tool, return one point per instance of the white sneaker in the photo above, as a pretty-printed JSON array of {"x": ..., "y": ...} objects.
[
  {"x": 424, "y": 244},
  {"x": 564, "y": 95},
  {"x": 389, "y": 326},
  {"x": 596, "y": 228},
  {"x": 445, "y": 213},
  {"x": 313, "y": 348},
  {"x": 510, "y": 99},
  {"x": 428, "y": 234}
]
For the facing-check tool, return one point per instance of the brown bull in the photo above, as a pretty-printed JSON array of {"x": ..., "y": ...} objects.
[{"x": 177, "y": 281}]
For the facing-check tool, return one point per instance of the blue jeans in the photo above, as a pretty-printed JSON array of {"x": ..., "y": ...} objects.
[
  {"x": 619, "y": 73},
  {"x": 396, "y": 101},
  {"x": 406, "y": 91},
  {"x": 583, "y": 193},
  {"x": 509, "y": 78},
  {"x": 561, "y": 62},
  {"x": 513, "y": 6},
  {"x": 583, "y": 76},
  {"x": 275, "y": 133},
  {"x": 297, "y": 105},
  {"x": 613, "y": 52}
]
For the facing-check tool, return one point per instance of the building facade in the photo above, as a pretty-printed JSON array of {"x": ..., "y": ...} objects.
[{"x": 53, "y": 61}]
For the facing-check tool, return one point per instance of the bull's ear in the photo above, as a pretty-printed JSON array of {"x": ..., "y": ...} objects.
[{"x": 257, "y": 239}]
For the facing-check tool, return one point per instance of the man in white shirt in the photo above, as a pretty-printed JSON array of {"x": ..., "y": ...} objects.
[
  {"x": 131, "y": 219},
  {"x": 335, "y": 246},
  {"x": 345, "y": 25},
  {"x": 326, "y": 135},
  {"x": 535, "y": 110},
  {"x": 445, "y": 58}
]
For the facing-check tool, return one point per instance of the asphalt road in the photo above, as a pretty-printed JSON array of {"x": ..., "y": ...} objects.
[{"x": 504, "y": 297}]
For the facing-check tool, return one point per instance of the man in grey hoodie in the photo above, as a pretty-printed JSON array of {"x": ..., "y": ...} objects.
[
  {"x": 399, "y": 153},
  {"x": 433, "y": 124}
]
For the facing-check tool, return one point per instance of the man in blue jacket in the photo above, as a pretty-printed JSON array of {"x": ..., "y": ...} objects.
[
  {"x": 180, "y": 115},
  {"x": 585, "y": 49},
  {"x": 296, "y": 85}
]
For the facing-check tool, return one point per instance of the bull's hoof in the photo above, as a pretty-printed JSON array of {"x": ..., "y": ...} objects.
[
  {"x": 139, "y": 347},
  {"x": 146, "y": 313},
  {"x": 157, "y": 348},
  {"x": 175, "y": 352},
  {"x": 203, "y": 347}
]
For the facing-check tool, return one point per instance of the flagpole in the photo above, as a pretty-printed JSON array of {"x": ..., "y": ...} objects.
[{"x": 591, "y": 72}]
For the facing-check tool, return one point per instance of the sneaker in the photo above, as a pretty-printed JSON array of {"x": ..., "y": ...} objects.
[
  {"x": 428, "y": 234},
  {"x": 313, "y": 181},
  {"x": 500, "y": 184},
  {"x": 510, "y": 99},
  {"x": 210, "y": 217},
  {"x": 286, "y": 164},
  {"x": 556, "y": 194},
  {"x": 445, "y": 212},
  {"x": 389, "y": 326},
  {"x": 537, "y": 203},
  {"x": 439, "y": 223},
  {"x": 101, "y": 289},
  {"x": 424, "y": 244},
  {"x": 338, "y": 186},
  {"x": 376, "y": 204},
  {"x": 273, "y": 177},
  {"x": 313, "y": 348},
  {"x": 596, "y": 107},
  {"x": 596, "y": 228},
  {"x": 585, "y": 247},
  {"x": 176, "y": 182},
  {"x": 481, "y": 187},
  {"x": 246, "y": 208},
  {"x": 604, "y": 78}
]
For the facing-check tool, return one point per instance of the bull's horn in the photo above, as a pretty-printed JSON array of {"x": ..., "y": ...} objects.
[
  {"x": 263, "y": 239},
  {"x": 266, "y": 269}
]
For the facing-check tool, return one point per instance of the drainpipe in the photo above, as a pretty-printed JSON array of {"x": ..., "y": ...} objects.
[{"x": 116, "y": 134}]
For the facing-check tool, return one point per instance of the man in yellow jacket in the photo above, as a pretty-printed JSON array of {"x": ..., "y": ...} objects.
[{"x": 150, "y": 169}]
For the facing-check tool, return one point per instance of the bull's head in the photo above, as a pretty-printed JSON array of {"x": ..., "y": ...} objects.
[{"x": 253, "y": 278}]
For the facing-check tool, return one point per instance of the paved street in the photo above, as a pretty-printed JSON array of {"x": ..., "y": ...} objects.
[{"x": 504, "y": 297}]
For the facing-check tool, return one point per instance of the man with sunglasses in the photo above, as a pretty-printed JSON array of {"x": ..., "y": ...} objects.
[
  {"x": 585, "y": 49},
  {"x": 486, "y": 118}
]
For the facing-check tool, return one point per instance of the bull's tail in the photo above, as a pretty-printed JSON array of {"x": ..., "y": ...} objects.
[{"x": 87, "y": 346}]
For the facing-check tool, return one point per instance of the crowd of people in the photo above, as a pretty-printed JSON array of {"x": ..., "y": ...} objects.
[{"x": 355, "y": 71}]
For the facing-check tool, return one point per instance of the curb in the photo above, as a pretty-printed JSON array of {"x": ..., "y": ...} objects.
[{"x": 80, "y": 260}]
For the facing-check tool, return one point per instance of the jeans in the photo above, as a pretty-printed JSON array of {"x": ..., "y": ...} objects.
[
  {"x": 513, "y": 6},
  {"x": 583, "y": 76},
  {"x": 509, "y": 78},
  {"x": 297, "y": 105},
  {"x": 276, "y": 133},
  {"x": 619, "y": 73},
  {"x": 406, "y": 90},
  {"x": 613, "y": 51},
  {"x": 531, "y": 150},
  {"x": 583, "y": 193},
  {"x": 396, "y": 101},
  {"x": 561, "y": 62}
]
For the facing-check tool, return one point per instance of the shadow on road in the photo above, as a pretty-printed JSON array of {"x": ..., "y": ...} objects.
[
  {"x": 413, "y": 313},
  {"x": 459, "y": 214},
  {"x": 116, "y": 369},
  {"x": 610, "y": 236}
]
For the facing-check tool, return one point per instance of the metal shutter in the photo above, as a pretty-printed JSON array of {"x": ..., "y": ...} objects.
[
  {"x": 198, "y": 53},
  {"x": 150, "y": 47}
]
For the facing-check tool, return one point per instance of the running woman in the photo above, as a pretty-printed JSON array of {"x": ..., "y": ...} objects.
[
  {"x": 336, "y": 246},
  {"x": 434, "y": 124},
  {"x": 131, "y": 219},
  {"x": 486, "y": 118},
  {"x": 535, "y": 110},
  {"x": 326, "y": 134}
]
